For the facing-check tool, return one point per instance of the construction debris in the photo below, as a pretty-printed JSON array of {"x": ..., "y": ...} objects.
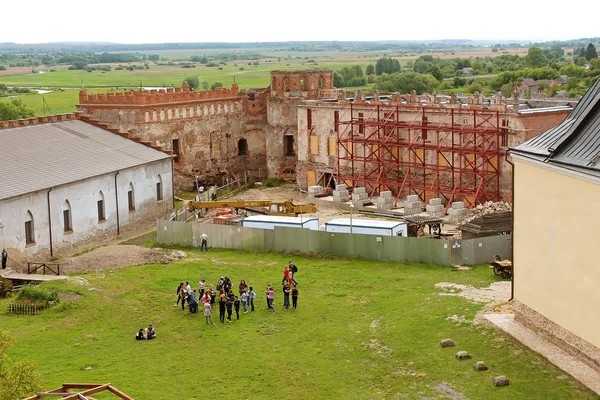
[
  {"x": 487, "y": 219},
  {"x": 489, "y": 207}
]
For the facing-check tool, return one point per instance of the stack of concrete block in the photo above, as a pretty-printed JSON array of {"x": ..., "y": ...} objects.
[
  {"x": 359, "y": 197},
  {"x": 435, "y": 208},
  {"x": 413, "y": 205},
  {"x": 341, "y": 194},
  {"x": 385, "y": 201},
  {"x": 457, "y": 212},
  {"x": 314, "y": 191}
]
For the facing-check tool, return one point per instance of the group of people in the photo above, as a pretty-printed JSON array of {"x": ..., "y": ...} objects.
[
  {"x": 289, "y": 284},
  {"x": 146, "y": 333},
  {"x": 223, "y": 294}
]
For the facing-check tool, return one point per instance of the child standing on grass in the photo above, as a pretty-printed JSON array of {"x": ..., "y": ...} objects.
[
  {"x": 179, "y": 294},
  {"x": 270, "y": 298},
  {"x": 286, "y": 295},
  {"x": 229, "y": 305},
  {"x": 244, "y": 300},
  {"x": 222, "y": 301},
  {"x": 236, "y": 305},
  {"x": 201, "y": 285},
  {"x": 294, "y": 297},
  {"x": 208, "y": 313},
  {"x": 251, "y": 297}
]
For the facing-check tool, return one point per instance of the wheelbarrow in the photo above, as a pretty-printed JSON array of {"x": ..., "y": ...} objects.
[{"x": 502, "y": 267}]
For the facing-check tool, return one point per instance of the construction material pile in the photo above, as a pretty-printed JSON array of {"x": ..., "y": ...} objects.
[{"x": 489, "y": 207}]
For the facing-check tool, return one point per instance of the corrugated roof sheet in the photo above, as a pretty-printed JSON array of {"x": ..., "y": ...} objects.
[
  {"x": 37, "y": 157},
  {"x": 574, "y": 143}
]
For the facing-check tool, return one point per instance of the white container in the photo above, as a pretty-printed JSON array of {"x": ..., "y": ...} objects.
[
  {"x": 367, "y": 227},
  {"x": 271, "y": 221}
]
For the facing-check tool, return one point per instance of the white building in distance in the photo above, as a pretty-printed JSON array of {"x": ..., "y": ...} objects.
[{"x": 66, "y": 183}]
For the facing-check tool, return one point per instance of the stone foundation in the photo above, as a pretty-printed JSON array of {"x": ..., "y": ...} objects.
[{"x": 559, "y": 336}]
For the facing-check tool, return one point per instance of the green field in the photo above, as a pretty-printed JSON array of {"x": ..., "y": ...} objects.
[
  {"x": 363, "y": 330},
  {"x": 66, "y": 83}
]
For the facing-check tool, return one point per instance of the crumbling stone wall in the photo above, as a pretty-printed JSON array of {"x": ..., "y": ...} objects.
[{"x": 217, "y": 134}]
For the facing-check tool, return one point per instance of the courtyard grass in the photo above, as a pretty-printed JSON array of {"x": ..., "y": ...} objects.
[{"x": 363, "y": 330}]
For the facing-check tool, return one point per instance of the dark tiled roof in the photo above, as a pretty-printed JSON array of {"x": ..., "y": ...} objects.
[{"x": 574, "y": 143}]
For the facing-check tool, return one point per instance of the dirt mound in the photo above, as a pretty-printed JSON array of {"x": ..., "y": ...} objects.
[{"x": 116, "y": 256}]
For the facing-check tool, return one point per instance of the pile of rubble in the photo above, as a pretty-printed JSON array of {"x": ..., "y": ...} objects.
[{"x": 489, "y": 207}]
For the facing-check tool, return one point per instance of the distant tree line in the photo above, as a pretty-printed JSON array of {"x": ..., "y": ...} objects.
[{"x": 485, "y": 74}]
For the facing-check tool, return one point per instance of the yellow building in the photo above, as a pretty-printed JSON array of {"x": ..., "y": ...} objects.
[{"x": 556, "y": 235}]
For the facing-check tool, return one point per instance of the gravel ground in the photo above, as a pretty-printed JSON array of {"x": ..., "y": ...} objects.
[{"x": 116, "y": 256}]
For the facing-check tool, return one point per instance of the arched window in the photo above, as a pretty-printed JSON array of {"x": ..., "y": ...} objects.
[
  {"x": 131, "y": 198},
  {"x": 67, "y": 220},
  {"x": 29, "y": 229},
  {"x": 101, "y": 210},
  {"x": 159, "y": 189},
  {"x": 242, "y": 147},
  {"x": 321, "y": 82}
]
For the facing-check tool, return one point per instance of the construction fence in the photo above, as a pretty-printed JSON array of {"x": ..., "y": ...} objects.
[{"x": 372, "y": 247}]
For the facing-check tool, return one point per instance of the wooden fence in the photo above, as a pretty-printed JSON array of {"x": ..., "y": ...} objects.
[
  {"x": 25, "y": 309},
  {"x": 33, "y": 267}
]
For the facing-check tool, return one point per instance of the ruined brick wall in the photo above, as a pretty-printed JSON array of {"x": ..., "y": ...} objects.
[
  {"x": 218, "y": 133},
  {"x": 303, "y": 84},
  {"x": 287, "y": 92}
]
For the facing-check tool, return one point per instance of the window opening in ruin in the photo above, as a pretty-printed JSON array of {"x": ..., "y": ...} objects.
[
  {"x": 67, "y": 221},
  {"x": 289, "y": 171},
  {"x": 328, "y": 180},
  {"x": 361, "y": 126},
  {"x": 303, "y": 84},
  {"x": 424, "y": 131},
  {"x": 29, "y": 232},
  {"x": 504, "y": 133},
  {"x": 251, "y": 96},
  {"x": 176, "y": 149},
  {"x": 336, "y": 121},
  {"x": 101, "y": 216},
  {"x": 288, "y": 145},
  {"x": 242, "y": 147},
  {"x": 321, "y": 82},
  {"x": 309, "y": 119}
]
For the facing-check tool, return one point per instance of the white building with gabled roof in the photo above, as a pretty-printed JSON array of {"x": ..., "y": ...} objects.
[{"x": 66, "y": 181}]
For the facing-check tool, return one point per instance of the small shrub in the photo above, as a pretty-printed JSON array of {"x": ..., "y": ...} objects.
[
  {"x": 33, "y": 294},
  {"x": 273, "y": 182}
]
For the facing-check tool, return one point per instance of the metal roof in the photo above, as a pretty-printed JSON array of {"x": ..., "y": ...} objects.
[
  {"x": 42, "y": 156},
  {"x": 274, "y": 219},
  {"x": 367, "y": 223},
  {"x": 574, "y": 143}
]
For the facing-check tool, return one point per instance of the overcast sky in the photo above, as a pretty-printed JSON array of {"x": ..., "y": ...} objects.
[{"x": 159, "y": 21}]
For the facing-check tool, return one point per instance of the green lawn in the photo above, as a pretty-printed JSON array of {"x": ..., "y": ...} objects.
[{"x": 363, "y": 330}]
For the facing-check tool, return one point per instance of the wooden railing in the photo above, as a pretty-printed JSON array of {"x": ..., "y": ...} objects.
[{"x": 33, "y": 267}]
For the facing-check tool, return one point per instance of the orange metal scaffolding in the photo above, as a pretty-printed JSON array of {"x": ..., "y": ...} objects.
[{"x": 431, "y": 151}]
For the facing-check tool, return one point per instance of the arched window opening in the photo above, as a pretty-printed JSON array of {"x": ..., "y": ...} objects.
[
  {"x": 67, "y": 220},
  {"x": 101, "y": 210},
  {"x": 159, "y": 189},
  {"x": 29, "y": 229},
  {"x": 131, "y": 198},
  {"x": 242, "y": 147}
]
